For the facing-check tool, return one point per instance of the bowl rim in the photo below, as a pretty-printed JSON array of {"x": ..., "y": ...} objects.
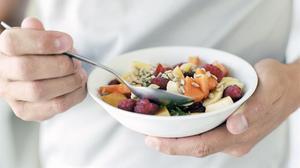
[{"x": 246, "y": 95}]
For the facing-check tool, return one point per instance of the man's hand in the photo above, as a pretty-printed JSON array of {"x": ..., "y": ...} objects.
[
  {"x": 276, "y": 97},
  {"x": 35, "y": 79}
]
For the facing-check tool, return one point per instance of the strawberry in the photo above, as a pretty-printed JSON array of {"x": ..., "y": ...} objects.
[{"x": 159, "y": 69}]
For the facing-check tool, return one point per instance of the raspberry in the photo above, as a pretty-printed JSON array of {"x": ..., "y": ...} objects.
[
  {"x": 160, "y": 81},
  {"x": 234, "y": 92},
  {"x": 114, "y": 82},
  {"x": 159, "y": 69},
  {"x": 144, "y": 106},
  {"x": 214, "y": 70},
  {"x": 127, "y": 104}
]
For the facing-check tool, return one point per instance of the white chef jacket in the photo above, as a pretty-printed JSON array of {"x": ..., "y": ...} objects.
[{"x": 87, "y": 137}]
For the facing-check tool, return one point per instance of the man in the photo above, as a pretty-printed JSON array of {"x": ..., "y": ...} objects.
[{"x": 39, "y": 83}]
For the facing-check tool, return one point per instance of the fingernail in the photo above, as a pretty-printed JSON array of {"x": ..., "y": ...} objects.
[
  {"x": 240, "y": 123},
  {"x": 152, "y": 142},
  {"x": 62, "y": 43}
]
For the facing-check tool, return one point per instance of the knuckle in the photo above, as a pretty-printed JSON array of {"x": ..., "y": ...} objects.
[
  {"x": 8, "y": 42},
  {"x": 202, "y": 150},
  {"x": 77, "y": 79},
  {"x": 45, "y": 42},
  {"x": 36, "y": 91},
  {"x": 22, "y": 67},
  {"x": 164, "y": 147},
  {"x": 60, "y": 105},
  {"x": 65, "y": 65}
]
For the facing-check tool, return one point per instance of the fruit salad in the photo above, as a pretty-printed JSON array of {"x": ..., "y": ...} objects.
[{"x": 209, "y": 84}]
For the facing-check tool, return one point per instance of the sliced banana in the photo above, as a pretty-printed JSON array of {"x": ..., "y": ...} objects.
[
  {"x": 178, "y": 73},
  {"x": 216, "y": 95},
  {"x": 173, "y": 87},
  {"x": 219, "y": 104},
  {"x": 186, "y": 67}
]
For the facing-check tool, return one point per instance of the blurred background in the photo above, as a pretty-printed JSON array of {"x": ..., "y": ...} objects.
[{"x": 292, "y": 52}]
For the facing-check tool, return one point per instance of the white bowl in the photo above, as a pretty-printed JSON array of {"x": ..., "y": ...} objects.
[{"x": 175, "y": 126}]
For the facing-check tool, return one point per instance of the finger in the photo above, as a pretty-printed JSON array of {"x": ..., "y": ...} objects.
[
  {"x": 35, "y": 67},
  {"x": 40, "y": 111},
  {"x": 18, "y": 41},
  {"x": 42, "y": 90},
  {"x": 32, "y": 23},
  {"x": 237, "y": 123},
  {"x": 201, "y": 145},
  {"x": 246, "y": 116}
]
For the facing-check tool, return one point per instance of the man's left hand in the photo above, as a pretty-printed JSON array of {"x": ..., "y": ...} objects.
[{"x": 275, "y": 98}]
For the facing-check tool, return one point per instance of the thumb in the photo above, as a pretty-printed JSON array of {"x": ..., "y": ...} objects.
[
  {"x": 32, "y": 23},
  {"x": 237, "y": 123}
]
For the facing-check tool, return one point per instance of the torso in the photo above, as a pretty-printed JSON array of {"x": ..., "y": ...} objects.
[{"x": 86, "y": 136}]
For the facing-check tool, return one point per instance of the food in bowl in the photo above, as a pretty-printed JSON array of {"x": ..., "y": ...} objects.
[{"x": 209, "y": 84}]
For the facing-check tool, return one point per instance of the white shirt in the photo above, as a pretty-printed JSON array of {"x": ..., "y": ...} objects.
[{"x": 86, "y": 136}]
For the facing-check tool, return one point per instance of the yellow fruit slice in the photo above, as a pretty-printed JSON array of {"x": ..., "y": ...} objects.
[
  {"x": 173, "y": 87},
  {"x": 178, "y": 73},
  {"x": 219, "y": 104},
  {"x": 215, "y": 96},
  {"x": 186, "y": 67},
  {"x": 113, "y": 98},
  {"x": 163, "y": 112}
]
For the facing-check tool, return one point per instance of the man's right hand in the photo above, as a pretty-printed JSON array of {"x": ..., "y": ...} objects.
[{"x": 36, "y": 80}]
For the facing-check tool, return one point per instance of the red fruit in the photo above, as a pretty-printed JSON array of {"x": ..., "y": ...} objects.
[
  {"x": 234, "y": 92},
  {"x": 127, "y": 104},
  {"x": 160, "y": 81},
  {"x": 144, "y": 106},
  {"x": 159, "y": 69},
  {"x": 214, "y": 70},
  {"x": 114, "y": 82}
]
